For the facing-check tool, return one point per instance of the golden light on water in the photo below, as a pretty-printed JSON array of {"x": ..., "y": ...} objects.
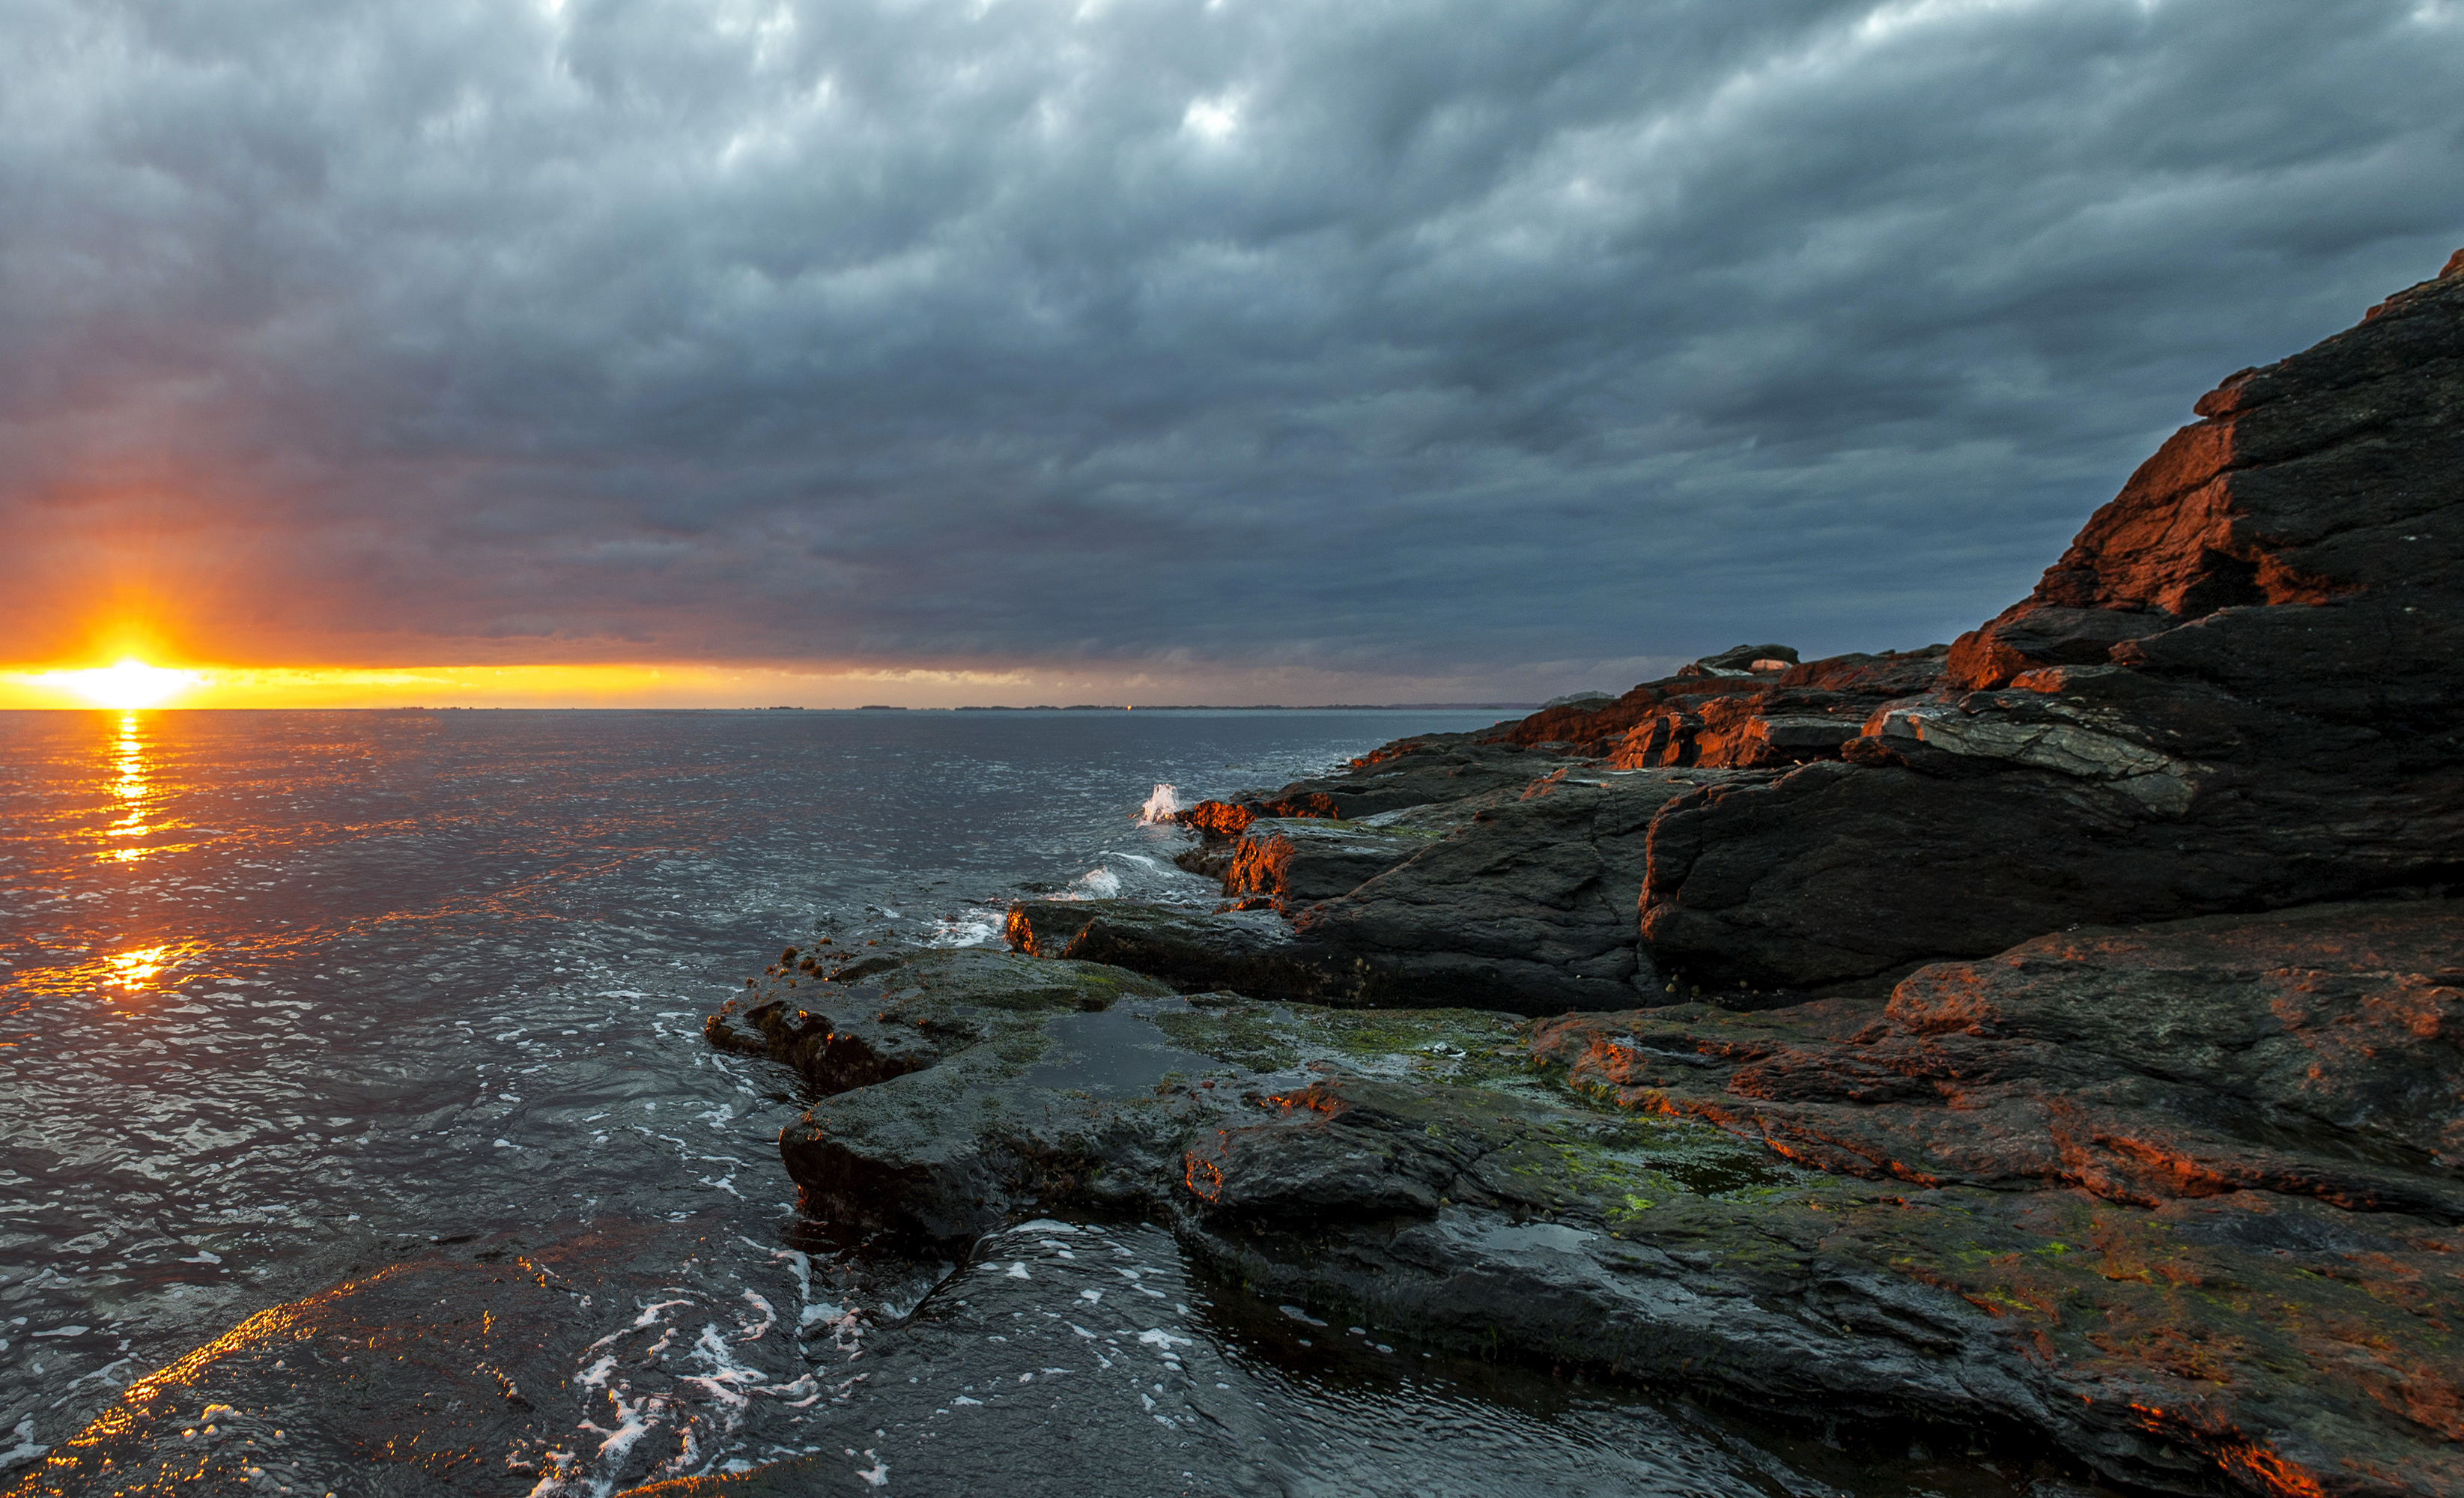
[
  {"x": 136, "y": 969},
  {"x": 130, "y": 788}
]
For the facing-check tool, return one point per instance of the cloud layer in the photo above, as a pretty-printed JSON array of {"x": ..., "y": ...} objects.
[{"x": 1369, "y": 343}]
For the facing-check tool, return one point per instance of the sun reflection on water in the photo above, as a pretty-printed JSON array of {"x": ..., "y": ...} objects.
[
  {"x": 136, "y": 969},
  {"x": 132, "y": 791}
]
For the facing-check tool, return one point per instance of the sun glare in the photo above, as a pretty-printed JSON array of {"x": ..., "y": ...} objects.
[
  {"x": 134, "y": 969},
  {"x": 128, "y": 683}
]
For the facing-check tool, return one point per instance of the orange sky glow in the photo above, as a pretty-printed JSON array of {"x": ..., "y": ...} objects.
[
  {"x": 131, "y": 682},
  {"x": 137, "y": 679}
]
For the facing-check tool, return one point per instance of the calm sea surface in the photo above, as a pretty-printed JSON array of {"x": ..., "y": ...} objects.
[{"x": 290, "y": 993}]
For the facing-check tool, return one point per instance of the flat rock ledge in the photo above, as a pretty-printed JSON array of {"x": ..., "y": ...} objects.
[{"x": 2182, "y": 1200}]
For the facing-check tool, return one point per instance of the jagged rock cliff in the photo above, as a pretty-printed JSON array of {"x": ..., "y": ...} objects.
[{"x": 2233, "y": 692}]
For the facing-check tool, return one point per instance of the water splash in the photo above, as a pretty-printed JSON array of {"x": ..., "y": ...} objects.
[
  {"x": 1095, "y": 883},
  {"x": 1162, "y": 806}
]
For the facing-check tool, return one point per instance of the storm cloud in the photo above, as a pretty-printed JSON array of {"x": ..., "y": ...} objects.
[{"x": 1509, "y": 347}]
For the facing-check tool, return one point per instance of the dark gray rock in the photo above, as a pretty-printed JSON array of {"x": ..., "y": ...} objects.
[
  {"x": 1300, "y": 860},
  {"x": 1530, "y": 906},
  {"x": 1519, "y": 898},
  {"x": 2013, "y": 1218},
  {"x": 1254, "y": 951},
  {"x": 1749, "y": 659},
  {"x": 2316, "y": 1052},
  {"x": 2234, "y": 692},
  {"x": 1410, "y": 772}
]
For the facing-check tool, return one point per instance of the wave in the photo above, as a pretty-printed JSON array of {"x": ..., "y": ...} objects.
[{"x": 1162, "y": 806}]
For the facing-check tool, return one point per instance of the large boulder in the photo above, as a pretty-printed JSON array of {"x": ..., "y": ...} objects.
[
  {"x": 1526, "y": 905},
  {"x": 1191, "y": 950},
  {"x": 2233, "y": 692}
]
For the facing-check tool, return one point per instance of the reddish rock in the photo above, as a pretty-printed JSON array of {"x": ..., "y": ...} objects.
[
  {"x": 2214, "y": 1166},
  {"x": 2316, "y": 483}
]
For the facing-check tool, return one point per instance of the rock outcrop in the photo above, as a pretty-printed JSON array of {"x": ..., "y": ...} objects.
[
  {"x": 2181, "y": 1198},
  {"x": 1519, "y": 898},
  {"x": 2233, "y": 692}
]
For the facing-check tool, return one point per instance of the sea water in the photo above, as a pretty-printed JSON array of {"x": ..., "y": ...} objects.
[{"x": 290, "y": 995}]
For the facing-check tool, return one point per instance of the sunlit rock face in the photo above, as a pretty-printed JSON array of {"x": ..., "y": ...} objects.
[
  {"x": 2294, "y": 546},
  {"x": 2233, "y": 692}
]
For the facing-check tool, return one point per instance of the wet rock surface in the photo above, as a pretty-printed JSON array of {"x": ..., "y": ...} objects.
[
  {"x": 1521, "y": 896},
  {"x": 1191, "y": 949},
  {"x": 1410, "y": 772},
  {"x": 2244, "y": 1127},
  {"x": 2178, "y": 1198},
  {"x": 1066, "y": 1344}
]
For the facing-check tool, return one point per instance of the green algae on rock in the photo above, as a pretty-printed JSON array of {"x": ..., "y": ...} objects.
[{"x": 1672, "y": 1195}]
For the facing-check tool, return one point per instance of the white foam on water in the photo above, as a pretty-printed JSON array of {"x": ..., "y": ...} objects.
[
  {"x": 25, "y": 1450},
  {"x": 769, "y": 1317},
  {"x": 650, "y": 1312},
  {"x": 726, "y": 1379},
  {"x": 1162, "y": 805},
  {"x": 974, "y": 929},
  {"x": 1095, "y": 883}
]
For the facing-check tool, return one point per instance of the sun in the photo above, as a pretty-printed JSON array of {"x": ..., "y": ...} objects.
[{"x": 127, "y": 683}]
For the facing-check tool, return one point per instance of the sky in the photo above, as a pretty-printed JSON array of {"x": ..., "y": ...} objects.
[{"x": 1193, "y": 350}]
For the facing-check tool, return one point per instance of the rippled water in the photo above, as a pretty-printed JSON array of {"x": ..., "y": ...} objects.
[{"x": 293, "y": 995}]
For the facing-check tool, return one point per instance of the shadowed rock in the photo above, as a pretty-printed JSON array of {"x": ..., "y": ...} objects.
[
  {"x": 1410, "y": 772},
  {"x": 2171, "y": 1197},
  {"x": 2233, "y": 692}
]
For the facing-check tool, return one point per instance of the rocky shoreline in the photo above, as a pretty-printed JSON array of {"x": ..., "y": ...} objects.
[{"x": 2058, "y": 1031}]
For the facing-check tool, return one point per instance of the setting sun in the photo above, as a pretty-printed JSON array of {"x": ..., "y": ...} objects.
[{"x": 128, "y": 683}]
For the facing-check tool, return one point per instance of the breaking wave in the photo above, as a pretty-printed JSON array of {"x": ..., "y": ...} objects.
[{"x": 1162, "y": 806}]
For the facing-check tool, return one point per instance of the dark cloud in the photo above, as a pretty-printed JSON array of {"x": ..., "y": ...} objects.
[{"x": 1498, "y": 344}]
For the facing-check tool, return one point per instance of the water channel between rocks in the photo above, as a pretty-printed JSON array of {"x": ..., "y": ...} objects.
[{"x": 352, "y": 1073}]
